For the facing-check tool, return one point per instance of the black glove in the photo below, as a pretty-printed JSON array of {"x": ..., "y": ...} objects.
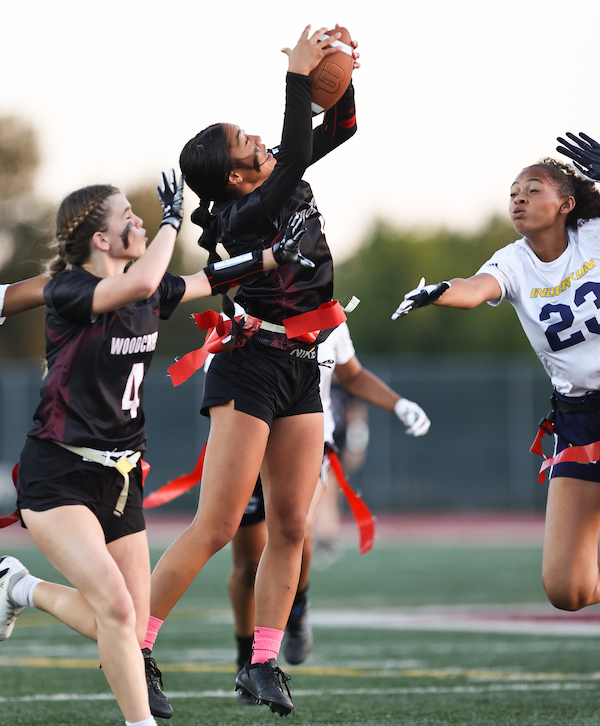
[
  {"x": 287, "y": 250},
  {"x": 170, "y": 195},
  {"x": 419, "y": 297},
  {"x": 585, "y": 154}
]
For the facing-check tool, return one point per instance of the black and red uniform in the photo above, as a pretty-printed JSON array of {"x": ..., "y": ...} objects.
[
  {"x": 92, "y": 394},
  {"x": 257, "y": 221}
]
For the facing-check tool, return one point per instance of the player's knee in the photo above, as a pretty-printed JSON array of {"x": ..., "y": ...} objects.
[
  {"x": 292, "y": 529},
  {"x": 117, "y": 612}
]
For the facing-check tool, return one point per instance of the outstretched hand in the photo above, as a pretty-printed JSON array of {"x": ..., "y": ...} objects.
[
  {"x": 309, "y": 51},
  {"x": 170, "y": 195},
  {"x": 584, "y": 152},
  {"x": 287, "y": 249},
  {"x": 419, "y": 297}
]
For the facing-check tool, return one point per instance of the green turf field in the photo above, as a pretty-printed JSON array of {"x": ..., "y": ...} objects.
[{"x": 411, "y": 635}]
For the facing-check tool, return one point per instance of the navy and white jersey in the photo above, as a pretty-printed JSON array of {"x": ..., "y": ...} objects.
[
  {"x": 258, "y": 220},
  {"x": 3, "y": 289},
  {"x": 93, "y": 391},
  {"x": 558, "y": 305}
]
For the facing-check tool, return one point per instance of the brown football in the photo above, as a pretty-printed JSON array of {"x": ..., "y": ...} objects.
[{"x": 332, "y": 76}]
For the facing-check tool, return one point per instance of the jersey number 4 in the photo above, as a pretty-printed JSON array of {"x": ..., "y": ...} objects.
[
  {"x": 131, "y": 397},
  {"x": 567, "y": 318}
]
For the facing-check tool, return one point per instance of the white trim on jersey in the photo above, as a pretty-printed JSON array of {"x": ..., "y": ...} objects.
[{"x": 558, "y": 304}]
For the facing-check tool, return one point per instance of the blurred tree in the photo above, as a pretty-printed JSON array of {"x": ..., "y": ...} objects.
[
  {"x": 393, "y": 261},
  {"x": 25, "y": 230}
]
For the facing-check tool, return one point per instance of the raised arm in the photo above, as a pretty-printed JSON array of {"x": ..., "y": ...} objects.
[{"x": 145, "y": 275}]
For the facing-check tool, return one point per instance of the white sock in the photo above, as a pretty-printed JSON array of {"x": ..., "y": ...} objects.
[
  {"x": 22, "y": 592},
  {"x": 146, "y": 722}
]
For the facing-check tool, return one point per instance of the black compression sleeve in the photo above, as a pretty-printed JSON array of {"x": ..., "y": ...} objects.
[
  {"x": 228, "y": 273},
  {"x": 295, "y": 151},
  {"x": 339, "y": 124}
]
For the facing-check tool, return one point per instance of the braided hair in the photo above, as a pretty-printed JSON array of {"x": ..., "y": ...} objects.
[
  {"x": 570, "y": 184},
  {"x": 206, "y": 164},
  {"x": 81, "y": 214}
]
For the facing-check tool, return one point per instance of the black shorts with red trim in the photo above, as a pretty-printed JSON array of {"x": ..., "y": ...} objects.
[
  {"x": 264, "y": 382},
  {"x": 575, "y": 427},
  {"x": 50, "y": 477}
]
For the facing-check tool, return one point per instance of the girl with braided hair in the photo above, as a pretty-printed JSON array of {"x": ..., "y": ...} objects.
[
  {"x": 79, "y": 484},
  {"x": 551, "y": 276},
  {"x": 264, "y": 396}
]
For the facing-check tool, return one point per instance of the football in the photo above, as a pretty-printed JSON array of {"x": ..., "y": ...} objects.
[{"x": 332, "y": 76}]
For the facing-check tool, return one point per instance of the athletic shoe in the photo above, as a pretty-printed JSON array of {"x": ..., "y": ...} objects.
[
  {"x": 245, "y": 700},
  {"x": 159, "y": 703},
  {"x": 11, "y": 571},
  {"x": 298, "y": 638},
  {"x": 262, "y": 681}
]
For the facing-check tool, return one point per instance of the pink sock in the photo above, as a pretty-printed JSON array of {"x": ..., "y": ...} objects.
[
  {"x": 152, "y": 631},
  {"x": 267, "y": 642}
]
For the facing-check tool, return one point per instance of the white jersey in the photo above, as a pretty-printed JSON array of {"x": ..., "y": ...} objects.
[
  {"x": 336, "y": 349},
  {"x": 3, "y": 289},
  {"x": 558, "y": 304}
]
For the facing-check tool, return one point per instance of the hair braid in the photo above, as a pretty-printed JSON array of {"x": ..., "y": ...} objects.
[{"x": 80, "y": 215}]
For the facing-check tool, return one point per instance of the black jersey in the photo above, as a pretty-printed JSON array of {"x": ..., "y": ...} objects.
[
  {"x": 258, "y": 220},
  {"x": 92, "y": 393}
]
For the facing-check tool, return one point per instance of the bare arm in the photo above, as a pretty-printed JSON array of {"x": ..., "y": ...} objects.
[
  {"x": 142, "y": 278},
  {"x": 471, "y": 292},
  {"x": 366, "y": 385},
  {"x": 25, "y": 295}
]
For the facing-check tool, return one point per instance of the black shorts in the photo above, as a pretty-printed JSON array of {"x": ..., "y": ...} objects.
[
  {"x": 255, "y": 511},
  {"x": 576, "y": 428},
  {"x": 50, "y": 477},
  {"x": 264, "y": 382}
]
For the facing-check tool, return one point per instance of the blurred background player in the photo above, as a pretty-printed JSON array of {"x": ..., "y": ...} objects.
[{"x": 336, "y": 356}]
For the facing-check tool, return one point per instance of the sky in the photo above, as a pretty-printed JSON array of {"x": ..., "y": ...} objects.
[{"x": 453, "y": 98}]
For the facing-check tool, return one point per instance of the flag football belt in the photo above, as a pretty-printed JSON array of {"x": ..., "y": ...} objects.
[
  {"x": 586, "y": 454},
  {"x": 303, "y": 328},
  {"x": 122, "y": 461}
]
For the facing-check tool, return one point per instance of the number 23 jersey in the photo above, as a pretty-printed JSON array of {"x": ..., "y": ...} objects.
[
  {"x": 558, "y": 305},
  {"x": 92, "y": 393}
]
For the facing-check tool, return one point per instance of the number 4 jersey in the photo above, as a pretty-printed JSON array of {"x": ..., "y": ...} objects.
[
  {"x": 558, "y": 305},
  {"x": 92, "y": 392}
]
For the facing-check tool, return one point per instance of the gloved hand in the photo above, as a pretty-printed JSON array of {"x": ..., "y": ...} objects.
[
  {"x": 287, "y": 249},
  {"x": 170, "y": 195},
  {"x": 585, "y": 153},
  {"x": 419, "y": 297},
  {"x": 412, "y": 416}
]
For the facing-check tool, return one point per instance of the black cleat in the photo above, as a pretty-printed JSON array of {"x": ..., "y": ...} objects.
[
  {"x": 159, "y": 703},
  {"x": 298, "y": 638},
  {"x": 262, "y": 681}
]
